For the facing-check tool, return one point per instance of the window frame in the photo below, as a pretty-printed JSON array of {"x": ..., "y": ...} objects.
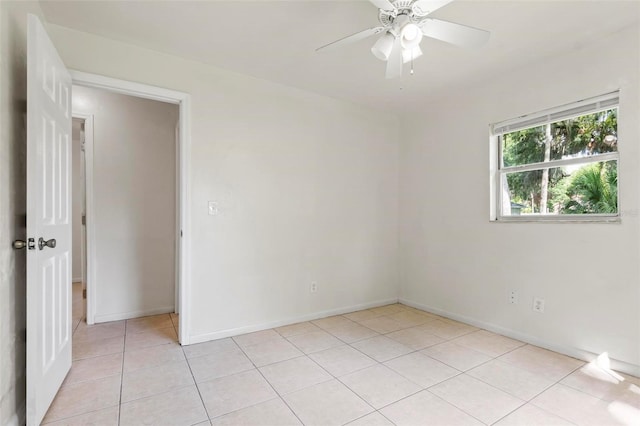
[{"x": 498, "y": 173}]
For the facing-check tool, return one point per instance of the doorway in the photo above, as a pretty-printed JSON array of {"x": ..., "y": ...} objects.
[{"x": 136, "y": 188}]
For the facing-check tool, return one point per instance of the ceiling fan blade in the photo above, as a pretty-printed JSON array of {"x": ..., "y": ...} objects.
[
  {"x": 457, "y": 34},
  {"x": 425, "y": 7},
  {"x": 394, "y": 63},
  {"x": 383, "y": 4},
  {"x": 350, "y": 39}
]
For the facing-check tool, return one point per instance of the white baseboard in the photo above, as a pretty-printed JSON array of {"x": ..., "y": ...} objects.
[
  {"x": 76, "y": 280},
  {"x": 287, "y": 321},
  {"x": 19, "y": 417},
  {"x": 621, "y": 366},
  {"x": 134, "y": 314}
]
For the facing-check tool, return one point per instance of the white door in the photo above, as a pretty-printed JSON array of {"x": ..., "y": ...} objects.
[{"x": 48, "y": 220}]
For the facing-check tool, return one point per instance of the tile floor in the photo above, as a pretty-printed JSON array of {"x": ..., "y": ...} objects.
[{"x": 382, "y": 366}]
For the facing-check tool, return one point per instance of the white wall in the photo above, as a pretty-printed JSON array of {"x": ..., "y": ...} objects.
[
  {"x": 455, "y": 261},
  {"x": 134, "y": 157},
  {"x": 77, "y": 201},
  {"x": 307, "y": 187},
  {"x": 13, "y": 96}
]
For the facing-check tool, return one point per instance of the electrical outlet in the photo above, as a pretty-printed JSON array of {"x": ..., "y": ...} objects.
[
  {"x": 538, "y": 305},
  {"x": 513, "y": 297},
  {"x": 313, "y": 287}
]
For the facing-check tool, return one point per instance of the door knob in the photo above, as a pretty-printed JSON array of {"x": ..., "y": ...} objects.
[
  {"x": 19, "y": 244},
  {"x": 42, "y": 243}
]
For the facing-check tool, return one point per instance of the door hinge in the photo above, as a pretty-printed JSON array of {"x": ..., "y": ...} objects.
[
  {"x": 84, "y": 220},
  {"x": 84, "y": 293}
]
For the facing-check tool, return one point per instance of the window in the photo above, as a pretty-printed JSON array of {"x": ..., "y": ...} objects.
[{"x": 559, "y": 164}]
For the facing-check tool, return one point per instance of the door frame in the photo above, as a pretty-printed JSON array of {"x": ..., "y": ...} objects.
[
  {"x": 88, "y": 240},
  {"x": 183, "y": 198}
]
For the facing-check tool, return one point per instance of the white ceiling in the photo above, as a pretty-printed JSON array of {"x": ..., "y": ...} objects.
[{"x": 276, "y": 40}]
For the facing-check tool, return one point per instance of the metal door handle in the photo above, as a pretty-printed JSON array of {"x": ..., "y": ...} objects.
[
  {"x": 42, "y": 243},
  {"x": 20, "y": 244}
]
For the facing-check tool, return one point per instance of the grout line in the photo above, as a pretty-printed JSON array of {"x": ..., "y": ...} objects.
[
  {"x": 196, "y": 383},
  {"x": 124, "y": 338},
  {"x": 268, "y": 382}
]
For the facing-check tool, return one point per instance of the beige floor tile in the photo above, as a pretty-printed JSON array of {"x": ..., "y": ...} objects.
[
  {"x": 99, "y": 331},
  {"x": 551, "y": 365},
  {"x": 75, "y": 322},
  {"x": 447, "y": 330},
  {"x": 175, "y": 319},
  {"x": 152, "y": 356},
  {"x": 332, "y": 322},
  {"x": 381, "y": 348},
  {"x": 177, "y": 407},
  {"x": 389, "y": 309},
  {"x": 424, "y": 408},
  {"x": 104, "y": 417},
  {"x": 379, "y": 385},
  {"x": 271, "y": 351},
  {"x": 421, "y": 312},
  {"x": 231, "y": 393},
  {"x": 421, "y": 369},
  {"x": 342, "y": 360},
  {"x": 409, "y": 318},
  {"x": 315, "y": 341},
  {"x": 373, "y": 419},
  {"x": 210, "y": 348},
  {"x": 138, "y": 325},
  {"x": 154, "y": 380},
  {"x": 382, "y": 324},
  {"x": 256, "y": 337},
  {"x": 219, "y": 364},
  {"x": 295, "y": 329},
  {"x": 91, "y": 348},
  {"x": 597, "y": 382},
  {"x": 416, "y": 338},
  {"x": 456, "y": 356},
  {"x": 352, "y": 332},
  {"x": 513, "y": 380},
  {"x": 362, "y": 315},
  {"x": 145, "y": 339},
  {"x": 84, "y": 397},
  {"x": 480, "y": 400},
  {"x": 326, "y": 404},
  {"x": 530, "y": 415},
  {"x": 488, "y": 343},
  {"x": 270, "y": 413},
  {"x": 294, "y": 374},
  {"x": 95, "y": 368},
  {"x": 583, "y": 409}
]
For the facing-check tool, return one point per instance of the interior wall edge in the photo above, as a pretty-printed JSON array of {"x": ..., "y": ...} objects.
[
  {"x": 582, "y": 354},
  {"x": 205, "y": 337}
]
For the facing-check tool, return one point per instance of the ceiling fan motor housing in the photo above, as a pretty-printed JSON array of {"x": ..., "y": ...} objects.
[{"x": 402, "y": 7}]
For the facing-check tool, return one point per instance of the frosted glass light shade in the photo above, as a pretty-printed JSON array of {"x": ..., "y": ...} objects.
[
  {"x": 410, "y": 36},
  {"x": 409, "y": 54},
  {"x": 384, "y": 45}
]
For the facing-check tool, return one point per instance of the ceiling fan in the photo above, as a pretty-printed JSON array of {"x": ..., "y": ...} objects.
[{"x": 403, "y": 24}]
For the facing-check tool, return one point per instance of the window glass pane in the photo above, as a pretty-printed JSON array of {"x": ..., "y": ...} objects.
[
  {"x": 580, "y": 189},
  {"x": 583, "y": 136}
]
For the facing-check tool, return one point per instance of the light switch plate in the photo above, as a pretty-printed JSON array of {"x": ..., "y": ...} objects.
[{"x": 213, "y": 208}]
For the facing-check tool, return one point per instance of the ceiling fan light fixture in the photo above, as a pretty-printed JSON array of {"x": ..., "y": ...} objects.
[
  {"x": 410, "y": 36},
  {"x": 411, "y": 54},
  {"x": 382, "y": 48}
]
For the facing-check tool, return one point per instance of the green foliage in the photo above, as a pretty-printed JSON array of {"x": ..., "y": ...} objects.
[
  {"x": 593, "y": 189},
  {"x": 581, "y": 136}
]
